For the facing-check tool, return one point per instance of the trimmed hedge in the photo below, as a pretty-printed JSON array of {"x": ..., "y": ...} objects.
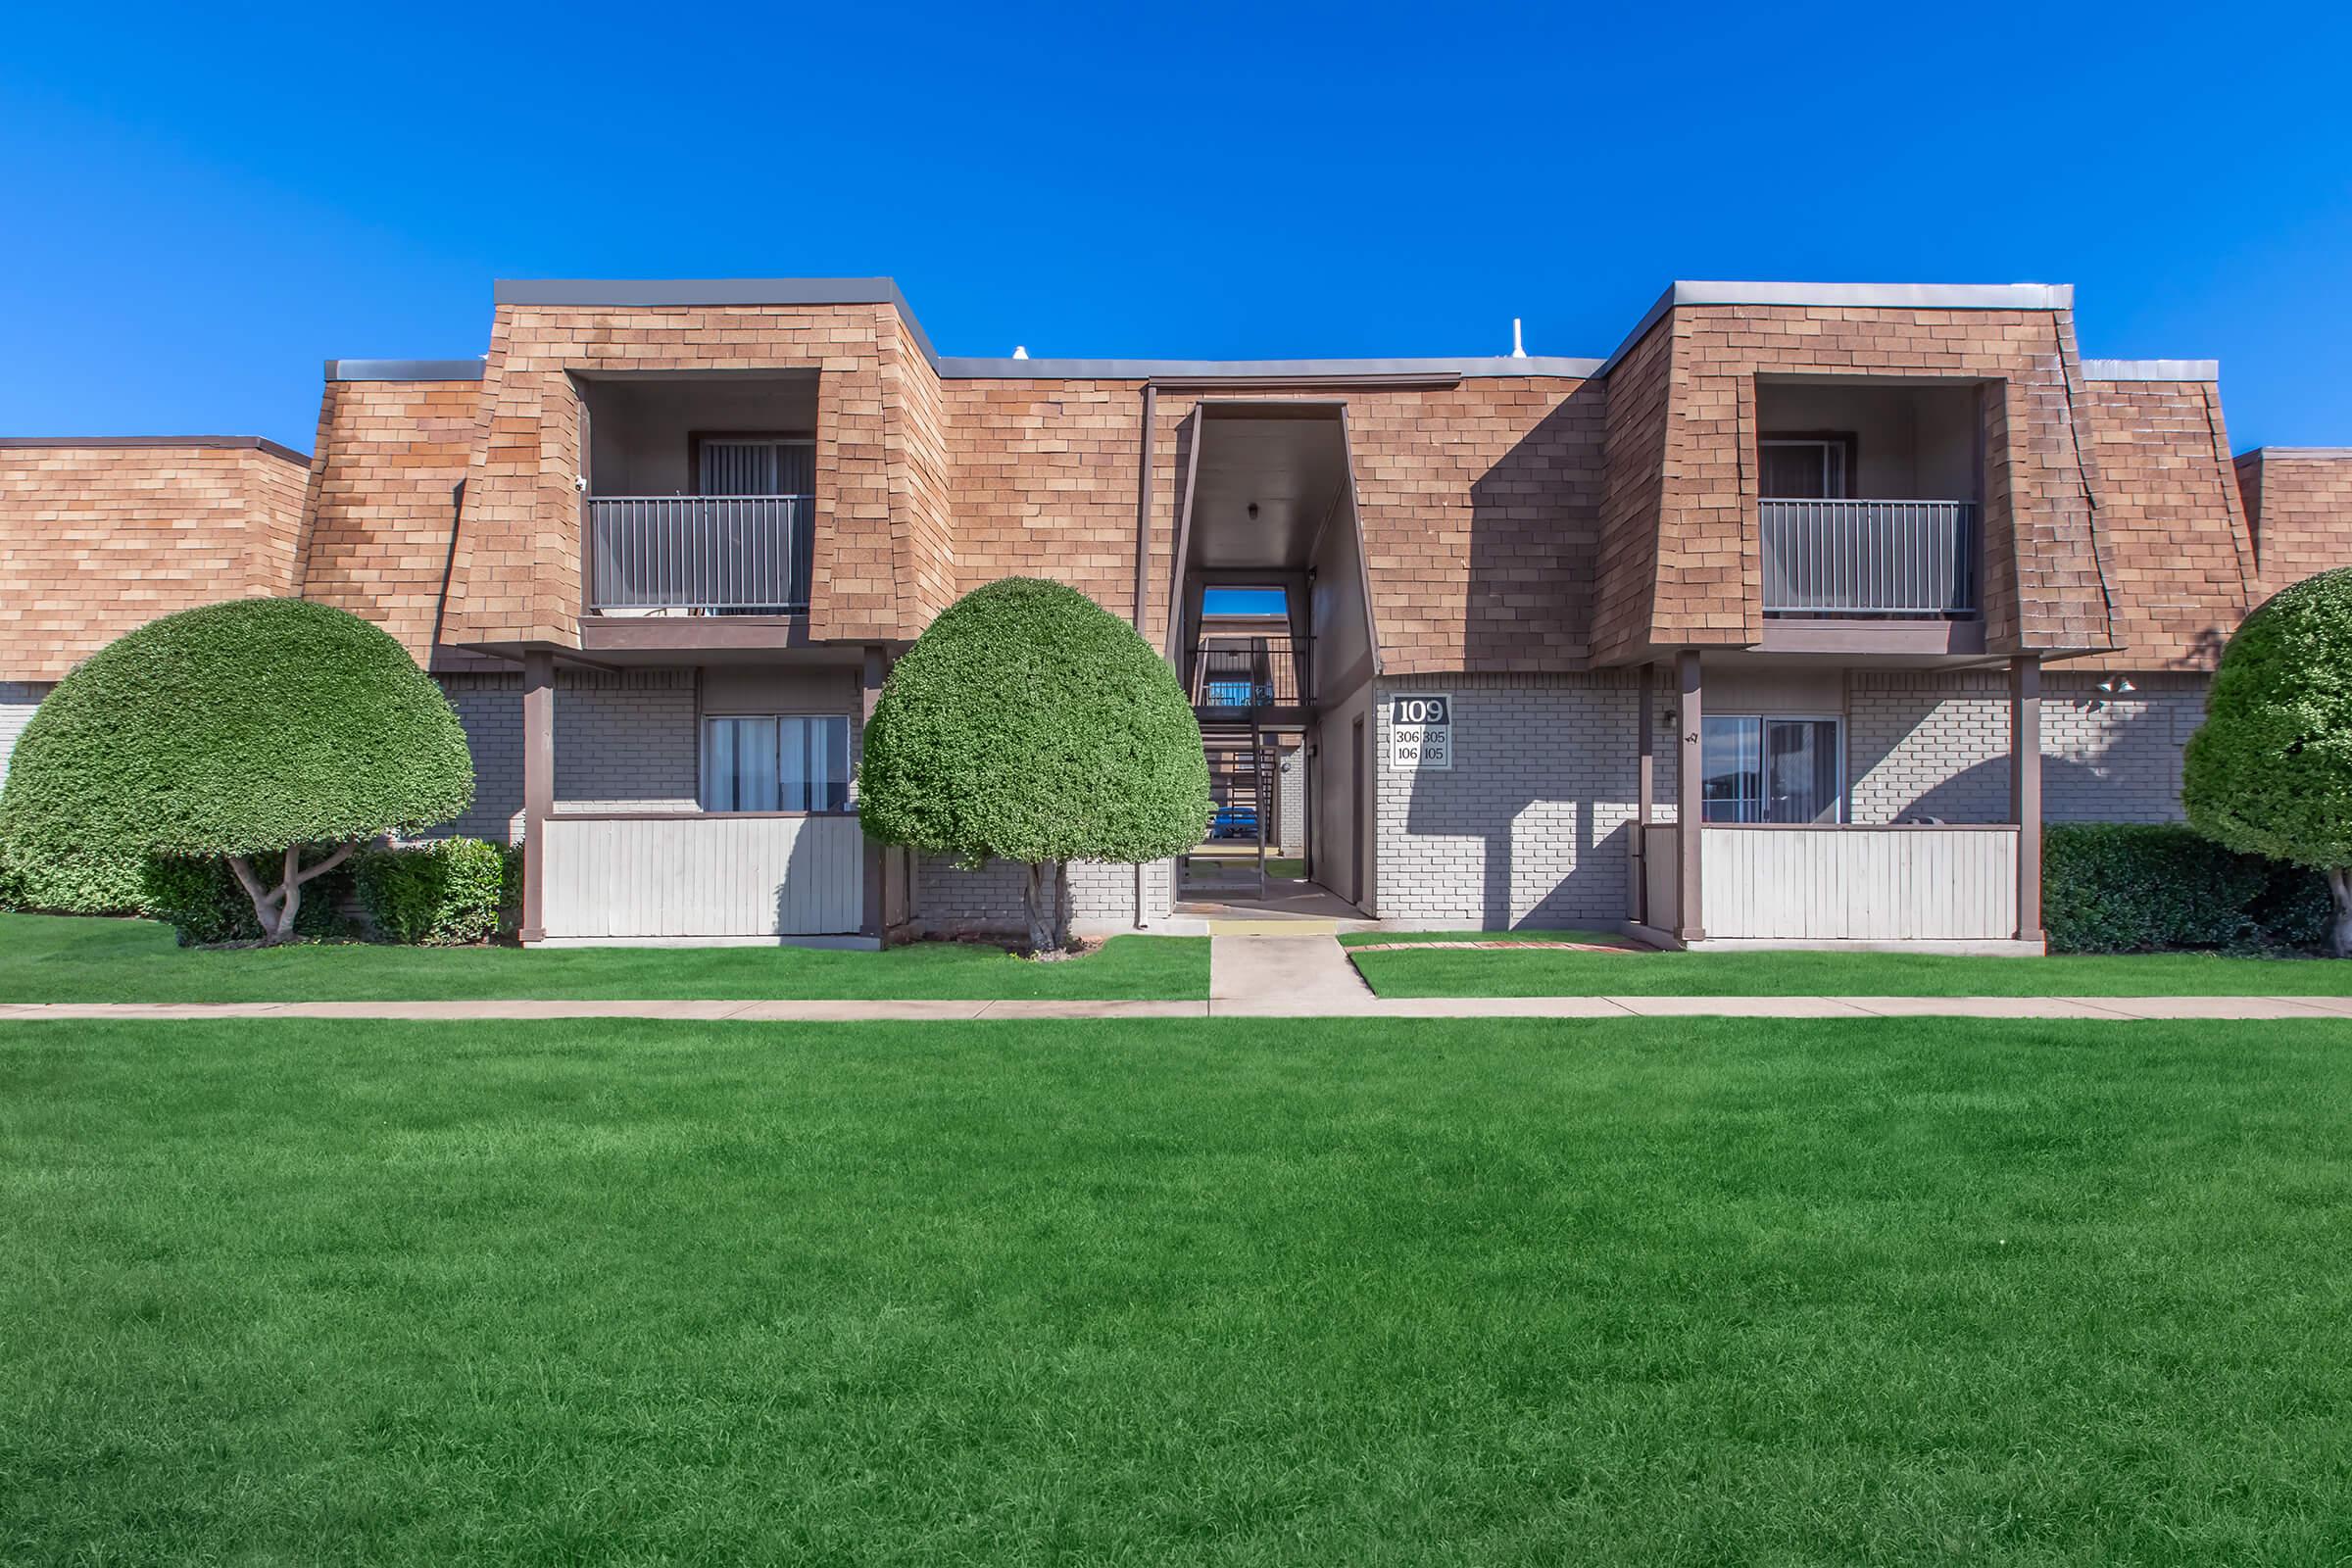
[
  {"x": 1028, "y": 723},
  {"x": 231, "y": 729},
  {"x": 2123, "y": 887},
  {"x": 200, "y": 898},
  {"x": 2270, "y": 770},
  {"x": 454, "y": 893},
  {"x": 61, "y": 882}
]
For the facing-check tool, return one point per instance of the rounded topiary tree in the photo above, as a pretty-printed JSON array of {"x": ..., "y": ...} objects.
[
  {"x": 2270, "y": 770},
  {"x": 1030, "y": 724},
  {"x": 259, "y": 727}
]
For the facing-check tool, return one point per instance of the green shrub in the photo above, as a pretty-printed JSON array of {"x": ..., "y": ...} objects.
[
  {"x": 229, "y": 730},
  {"x": 2117, "y": 887},
  {"x": 1027, "y": 723},
  {"x": 202, "y": 901},
  {"x": 2270, "y": 770},
  {"x": 443, "y": 894},
  {"x": 67, "y": 883}
]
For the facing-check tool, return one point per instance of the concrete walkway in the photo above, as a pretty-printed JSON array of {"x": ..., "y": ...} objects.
[
  {"x": 1301, "y": 1004},
  {"x": 1259, "y": 971}
]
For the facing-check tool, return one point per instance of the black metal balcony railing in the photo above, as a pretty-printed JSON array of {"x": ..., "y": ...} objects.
[
  {"x": 713, "y": 555},
  {"x": 1870, "y": 558},
  {"x": 1249, "y": 672}
]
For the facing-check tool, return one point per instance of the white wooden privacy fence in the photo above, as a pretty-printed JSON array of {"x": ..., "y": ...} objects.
[
  {"x": 622, "y": 876},
  {"x": 1885, "y": 884}
]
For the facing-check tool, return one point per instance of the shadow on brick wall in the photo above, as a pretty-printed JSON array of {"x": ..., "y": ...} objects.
[{"x": 2132, "y": 774}]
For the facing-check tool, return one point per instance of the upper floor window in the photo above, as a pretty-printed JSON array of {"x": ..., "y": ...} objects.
[
  {"x": 754, "y": 465},
  {"x": 1805, "y": 468},
  {"x": 1766, "y": 768}
]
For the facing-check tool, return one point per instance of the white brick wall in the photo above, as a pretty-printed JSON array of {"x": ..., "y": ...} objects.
[
  {"x": 1938, "y": 745},
  {"x": 1530, "y": 825},
  {"x": 1928, "y": 745},
  {"x": 18, "y": 699},
  {"x": 949, "y": 901},
  {"x": 1292, "y": 786},
  {"x": 2117, "y": 759}
]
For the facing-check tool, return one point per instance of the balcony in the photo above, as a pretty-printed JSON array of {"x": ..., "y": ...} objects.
[
  {"x": 698, "y": 554},
  {"x": 1238, "y": 672},
  {"x": 1880, "y": 559}
]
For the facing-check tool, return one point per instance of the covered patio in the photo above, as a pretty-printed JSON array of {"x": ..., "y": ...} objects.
[{"x": 1716, "y": 875}]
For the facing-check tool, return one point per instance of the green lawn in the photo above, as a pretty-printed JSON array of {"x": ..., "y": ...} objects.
[
  {"x": 1476, "y": 972},
  {"x": 1729, "y": 1292},
  {"x": 52, "y": 958}
]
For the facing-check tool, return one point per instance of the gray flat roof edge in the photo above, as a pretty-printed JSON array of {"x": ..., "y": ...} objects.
[
  {"x": 961, "y": 367},
  {"x": 2151, "y": 369},
  {"x": 1855, "y": 296},
  {"x": 2332, "y": 453},
  {"x": 404, "y": 370},
  {"x": 255, "y": 443},
  {"x": 1881, "y": 296},
  {"x": 624, "y": 293}
]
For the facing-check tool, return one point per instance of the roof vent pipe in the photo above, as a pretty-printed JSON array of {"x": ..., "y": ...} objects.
[
  {"x": 1518, "y": 347},
  {"x": 1019, "y": 353}
]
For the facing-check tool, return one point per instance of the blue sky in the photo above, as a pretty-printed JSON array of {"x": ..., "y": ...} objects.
[{"x": 199, "y": 213}]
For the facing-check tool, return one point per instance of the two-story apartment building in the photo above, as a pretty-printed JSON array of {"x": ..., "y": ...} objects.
[{"x": 1791, "y": 619}]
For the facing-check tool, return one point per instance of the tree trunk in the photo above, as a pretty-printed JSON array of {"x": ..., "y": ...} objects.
[
  {"x": 2339, "y": 932},
  {"x": 1042, "y": 903},
  {"x": 274, "y": 909}
]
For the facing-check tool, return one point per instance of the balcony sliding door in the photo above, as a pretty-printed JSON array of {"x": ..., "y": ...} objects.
[
  {"x": 754, "y": 465},
  {"x": 1766, "y": 770}
]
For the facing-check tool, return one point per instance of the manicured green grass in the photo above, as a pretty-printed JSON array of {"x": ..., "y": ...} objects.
[
  {"x": 1289, "y": 868},
  {"x": 1477, "y": 972},
  {"x": 1732, "y": 1292},
  {"x": 52, "y": 958}
]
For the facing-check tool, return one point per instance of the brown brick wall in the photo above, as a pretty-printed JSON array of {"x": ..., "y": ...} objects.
[
  {"x": 1044, "y": 478},
  {"x": 519, "y": 576},
  {"x": 2300, "y": 507},
  {"x": 2171, "y": 532},
  {"x": 922, "y": 525},
  {"x": 1639, "y": 413},
  {"x": 381, "y": 503},
  {"x": 1479, "y": 505},
  {"x": 97, "y": 540}
]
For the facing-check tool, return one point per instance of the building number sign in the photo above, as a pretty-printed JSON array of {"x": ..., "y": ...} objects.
[{"x": 1421, "y": 731}]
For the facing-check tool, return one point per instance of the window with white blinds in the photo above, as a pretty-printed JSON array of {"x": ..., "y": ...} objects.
[
  {"x": 776, "y": 763},
  {"x": 747, "y": 465}
]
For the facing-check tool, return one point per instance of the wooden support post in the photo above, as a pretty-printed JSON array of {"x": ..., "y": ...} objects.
[
  {"x": 1689, "y": 810},
  {"x": 1645, "y": 792},
  {"x": 876, "y": 921},
  {"x": 2025, "y": 789},
  {"x": 538, "y": 784}
]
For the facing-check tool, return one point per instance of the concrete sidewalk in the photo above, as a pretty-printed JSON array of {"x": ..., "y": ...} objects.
[
  {"x": 1270, "y": 973},
  {"x": 1302, "y": 1005}
]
